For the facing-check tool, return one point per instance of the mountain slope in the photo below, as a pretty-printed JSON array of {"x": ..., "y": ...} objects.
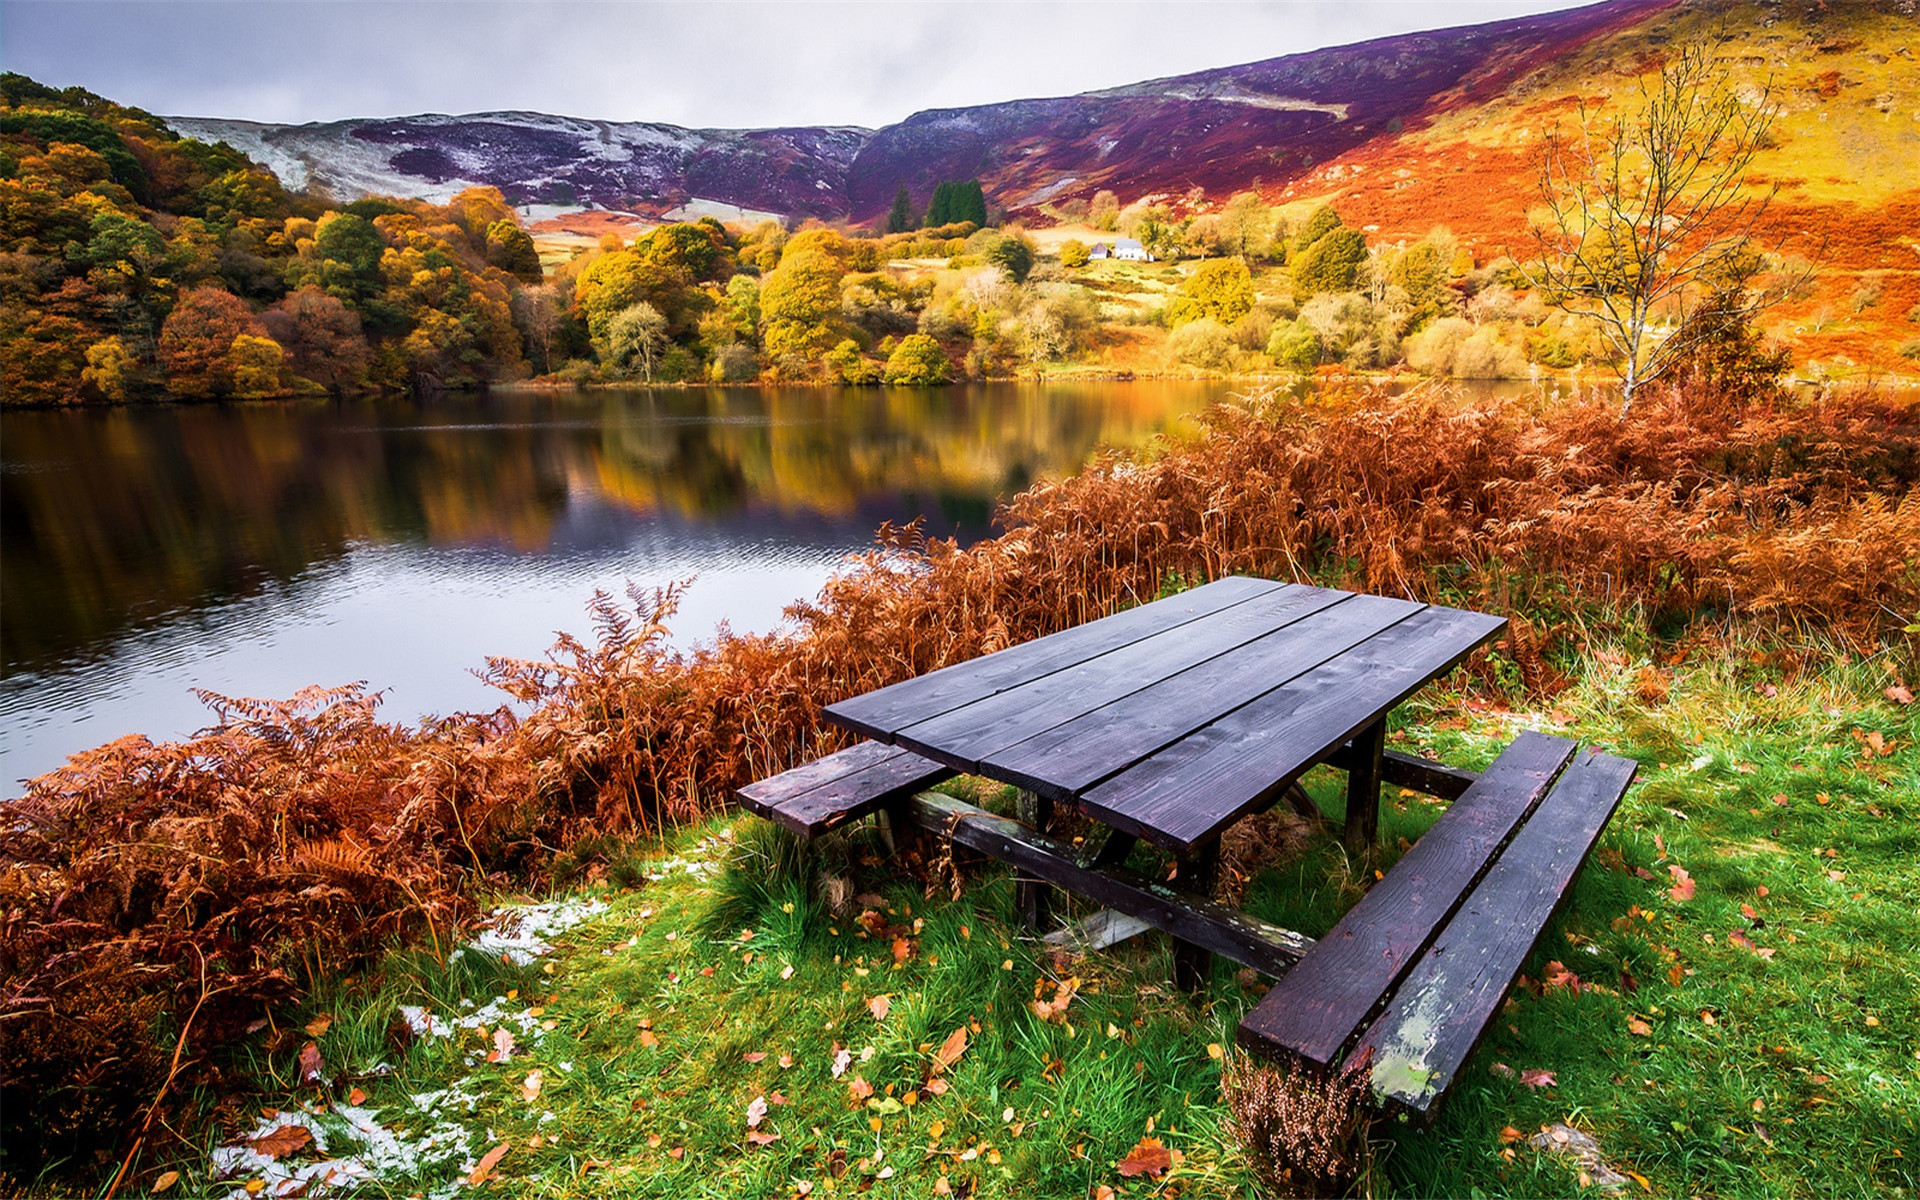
[{"x": 1265, "y": 122}]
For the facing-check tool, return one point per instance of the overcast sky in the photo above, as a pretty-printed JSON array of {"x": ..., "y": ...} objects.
[{"x": 701, "y": 64}]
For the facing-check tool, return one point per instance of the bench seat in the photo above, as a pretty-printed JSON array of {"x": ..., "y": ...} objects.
[
  {"x": 1414, "y": 973},
  {"x": 828, "y": 792}
]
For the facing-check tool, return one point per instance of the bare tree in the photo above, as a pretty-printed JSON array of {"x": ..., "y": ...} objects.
[{"x": 1647, "y": 219}]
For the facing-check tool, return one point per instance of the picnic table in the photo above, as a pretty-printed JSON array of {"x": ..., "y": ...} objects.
[{"x": 1169, "y": 722}]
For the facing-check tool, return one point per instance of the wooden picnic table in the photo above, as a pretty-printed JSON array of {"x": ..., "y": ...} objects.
[{"x": 1169, "y": 722}]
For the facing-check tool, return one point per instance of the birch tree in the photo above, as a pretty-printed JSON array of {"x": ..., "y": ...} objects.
[{"x": 1647, "y": 219}]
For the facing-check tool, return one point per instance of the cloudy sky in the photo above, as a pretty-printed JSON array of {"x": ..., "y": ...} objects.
[{"x": 701, "y": 64}]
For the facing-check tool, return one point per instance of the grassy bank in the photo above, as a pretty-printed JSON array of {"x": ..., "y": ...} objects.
[
  {"x": 1728, "y": 1005},
  {"x": 163, "y": 901}
]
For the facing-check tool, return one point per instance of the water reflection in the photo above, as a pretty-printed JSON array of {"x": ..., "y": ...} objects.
[{"x": 255, "y": 548}]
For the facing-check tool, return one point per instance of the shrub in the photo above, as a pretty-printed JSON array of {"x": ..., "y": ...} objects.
[
  {"x": 1294, "y": 346},
  {"x": 1329, "y": 264},
  {"x": 1911, "y": 349},
  {"x": 1455, "y": 347},
  {"x": 1203, "y": 343},
  {"x": 1221, "y": 289},
  {"x": 733, "y": 363},
  {"x": 1073, "y": 253},
  {"x": 1304, "y": 1131},
  {"x": 846, "y": 364},
  {"x": 918, "y": 362}
]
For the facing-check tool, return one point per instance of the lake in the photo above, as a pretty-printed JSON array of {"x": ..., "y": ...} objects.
[{"x": 253, "y": 549}]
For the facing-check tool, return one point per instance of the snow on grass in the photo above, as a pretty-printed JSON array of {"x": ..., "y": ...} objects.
[
  {"x": 518, "y": 934},
  {"x": 358, "y": 1150}
]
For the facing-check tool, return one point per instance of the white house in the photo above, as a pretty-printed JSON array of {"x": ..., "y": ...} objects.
[
  {"x": 1131, "y": 250},
  {"x": 1100, "y": 251}
]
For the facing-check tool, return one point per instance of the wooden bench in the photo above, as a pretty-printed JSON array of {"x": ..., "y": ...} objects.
[
  {"x": 826, "y": 793},
  {"x": 1414, "y": 973}
]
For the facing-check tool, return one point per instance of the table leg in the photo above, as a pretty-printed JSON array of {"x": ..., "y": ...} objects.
[
  {"x": 1193, "y": 965},
  {"x": 1030, "y": 895},
  {"x": 1363, "y": 787}
]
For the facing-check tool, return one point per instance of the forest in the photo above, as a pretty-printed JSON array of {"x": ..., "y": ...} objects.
[{"x": 141, "y": 265}]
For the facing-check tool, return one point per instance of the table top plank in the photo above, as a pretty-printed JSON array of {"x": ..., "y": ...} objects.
[
  {"x": 1068, "y": 758},
  {"x": 965, "y": 736},
  {"x": 1190, "y": 791},
  {"x": 878, "y": 713}
]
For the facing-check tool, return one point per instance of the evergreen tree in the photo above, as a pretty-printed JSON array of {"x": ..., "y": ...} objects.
[
  {"x": 900, "y": 217},
  {"x": 970, "y": 203},
  {"x": 940, "y": 208}
]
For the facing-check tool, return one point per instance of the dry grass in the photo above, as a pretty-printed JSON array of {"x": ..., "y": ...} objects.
[{"x": 294, "y": 837}]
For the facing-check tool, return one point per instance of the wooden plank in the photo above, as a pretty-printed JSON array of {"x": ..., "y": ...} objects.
[
  {"x": 777, "y": 789},
  {"x": 1440, "y": 1012},
  {"x": 1190, "y": 791},
  {"x": 1077, "y": 754},
  {"x": 1105, "y": 928},
  {"x": 965, "y": 736},
  {"x": 1362, "y": 824},
  {"x": 838, "y": 801},
  {"x": 1420, "y": 774},
  {"x": 878, "y": 713},
  {"x": 1249, "y": 941},
  {"x": 1319, "y": 1006}
]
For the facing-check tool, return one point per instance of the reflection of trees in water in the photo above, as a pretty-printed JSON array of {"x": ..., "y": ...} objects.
[{"x": 115, "y": 518}]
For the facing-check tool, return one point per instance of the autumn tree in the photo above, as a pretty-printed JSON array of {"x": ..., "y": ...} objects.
[
  {"x": 918, "y": 362},
  {"x": 511, "y": 248},
  {"x": 1073, "y": 253},
  {"x": 1104, "y": 212},
  {"x": 1329, "y": 263},
  {"x": 636, "y": 338},
  {"x": 196, "y": 337},
  {"x": 1221, "y": 288},
  {"x": 1647, "y": 219},
  {"x": 321, "y": 337},
  {"x": 800, "y": 303}
]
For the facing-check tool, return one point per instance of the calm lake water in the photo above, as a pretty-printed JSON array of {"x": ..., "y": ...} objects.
[{"x": 255, "y": 549}]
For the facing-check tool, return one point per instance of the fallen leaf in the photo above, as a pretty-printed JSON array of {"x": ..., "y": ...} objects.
[
  {"x": 1741, "y": 940},
  {"x": 879, "y": 1006},
  {"x": 503, "y": 1046},
  {"x": 1510, "y": 1135},
  {"x": 1215, "y": 1050},
  {"x": 1534, "y": 1077},
  {"x": 310, "y": 1065},
  {"x": 1899, "y": 694},
  {"x": 319, "y": 1024},
  {"x": 483, "y": 1170},
  {"x": 757, "y": 1137},
  {"x": 786, "y": 973},
  {"x": 1640, "y": 1179},
  {"x": 1638, "y": 1028},
  {"x": 755, "y": 1056},
  {"x": 902, "y": 950},
  {"x": 530, "y": 1087},
  {"x": 677, "y": 1153},
  {"x": 1502, "y": 1070},
  {"x": 950, "y": 1050},
  {"x": 647, "y": 1038},
  {"x": 1708, "y": 1018},
  {"x": 937, "y": 1086},
  {"x": 860, "y": 1088},
  {"x": 842, "y": 1059},
  {"x": 786, "y": 1062},
  {"x": 1682, "y": 889},
  {"x": 356, "y": 1096},
  {"x": 756, "y": 1111},
  {"x": 1148, "y": 1157},
  {"x": 282, "y": 1140},
  {"x": 165, "y": 1181}
]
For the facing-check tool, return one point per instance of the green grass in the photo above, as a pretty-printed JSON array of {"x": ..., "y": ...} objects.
[{"x": 1790, "y": 1074}]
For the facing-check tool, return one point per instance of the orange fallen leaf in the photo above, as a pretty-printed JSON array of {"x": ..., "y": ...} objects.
[
  {"x": 310, "y": 1065},
  {"x": 902, "y": 950},
  {"x": 950, "y": 1050},
  {"x": 757, "y": 1137},
  {"x": 282, "y": 1140},
  {"x": 1510, "y": 1135},
  {"x": 648, "y": 1039},
  {"x": 754, "y": 1056},
  {"x": 1148, "y": 1157},
  {"x": 1899, "y": 694},
  {"x": 1638, "y": 1028},
  {"x": 860, "y": 1088},
  {"x": 165, "y": 1181},
  {"x": 356, "y": 1096},
  {"x": 677, "y": 1153},
  {"x": 879, "y": 1006},
  {"x": 483, "y": 1170},
  {"x": 319, "y": 1024},
  {"x": 937, "y": 1086},
  {"x": 1682, "y": 889}
]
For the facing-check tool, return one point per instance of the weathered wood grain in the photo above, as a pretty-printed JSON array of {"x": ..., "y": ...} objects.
[
  {"x": 844, "y": 787},
  {"x": 1193, "y": 789},
  {"x": 963, "y": 737},
  {"x": 1440, "y": 1012},
  {"x": 1072, "y": 756},
  {"x": 1319, "y": 1006},
  {"x": 1201, "y": 921},
  {"x": 878, "y": 713}
]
